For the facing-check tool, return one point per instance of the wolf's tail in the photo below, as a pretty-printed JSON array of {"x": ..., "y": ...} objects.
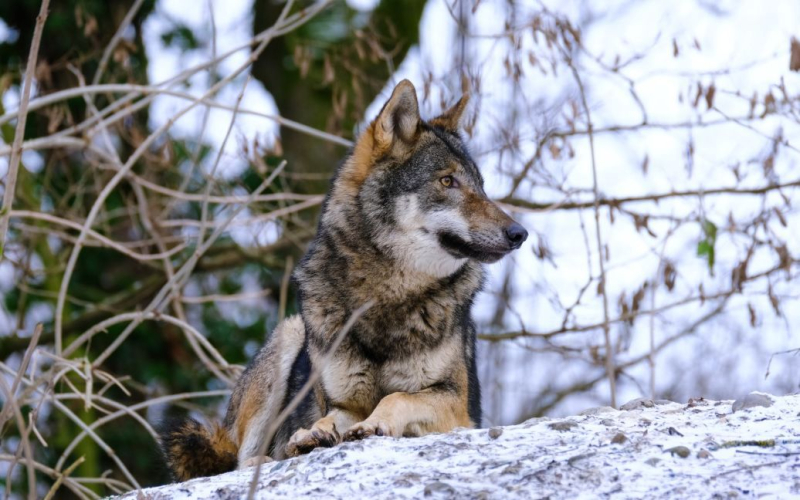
[{"x": 192, "y": 450}]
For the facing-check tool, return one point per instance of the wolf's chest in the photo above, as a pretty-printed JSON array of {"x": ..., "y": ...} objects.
[
  {"x": 419, "y": 370},
  {"x": 406, "y": 330}
]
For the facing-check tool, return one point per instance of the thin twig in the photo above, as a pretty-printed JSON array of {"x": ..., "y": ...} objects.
[
  {"x": 115, "y": 40},
  {"x": 23, "y": 367},
  {"x": 609, "y": 351},
  {"x": 655, "y": 197},
  {"x": 27, "y": 214},
  {"x": 16, "y": 147},
  {"x": 62, "y": 476},
  {"x": 24, "y": 439},
  {"x": 71, "y": 483}
]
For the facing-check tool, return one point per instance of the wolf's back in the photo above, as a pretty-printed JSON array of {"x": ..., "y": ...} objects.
[{"x": 193, "y": 450}]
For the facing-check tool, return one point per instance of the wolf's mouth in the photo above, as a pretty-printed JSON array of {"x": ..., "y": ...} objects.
[{"x": 459, "y": 248}]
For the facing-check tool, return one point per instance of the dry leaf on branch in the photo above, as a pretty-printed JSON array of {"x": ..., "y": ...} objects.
[{"x": 794, "y": 58}]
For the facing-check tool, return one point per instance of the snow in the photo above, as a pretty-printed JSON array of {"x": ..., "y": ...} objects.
[{"x": 558, "y": 458}]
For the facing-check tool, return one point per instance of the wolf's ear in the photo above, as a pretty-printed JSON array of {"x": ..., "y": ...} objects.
[
  {"x": 399, "y": 117},
  {"x": 450, "y": 119}
]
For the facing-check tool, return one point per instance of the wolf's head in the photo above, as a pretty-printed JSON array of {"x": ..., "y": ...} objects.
[{"x": 419, "y": 193}]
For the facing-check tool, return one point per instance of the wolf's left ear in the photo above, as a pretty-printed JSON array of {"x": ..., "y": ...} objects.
[
  {"x": 399, "y": 117},
  {"x": 450, "y": 119}
]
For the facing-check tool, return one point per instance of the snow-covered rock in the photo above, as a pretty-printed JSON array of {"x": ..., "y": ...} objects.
[{"x": 657, "y": 449}]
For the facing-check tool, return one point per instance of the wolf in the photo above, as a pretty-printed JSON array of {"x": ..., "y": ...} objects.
[{"x": 406, "y": 228}]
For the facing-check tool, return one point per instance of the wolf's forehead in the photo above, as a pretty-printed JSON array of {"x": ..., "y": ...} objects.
[{"x": 455, "y": 150}]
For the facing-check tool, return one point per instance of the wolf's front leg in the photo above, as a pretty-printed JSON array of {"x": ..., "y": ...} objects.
[
  {"x": 325, "y": 432},
  {"x": 436, "y": 409}
]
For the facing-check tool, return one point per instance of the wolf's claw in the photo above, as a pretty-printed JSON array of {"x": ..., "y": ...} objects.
[
  {"x": 304, "y": 440},
  {"x": 366, "y": 429}
]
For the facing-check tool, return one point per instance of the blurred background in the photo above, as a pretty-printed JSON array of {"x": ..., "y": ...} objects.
[{"x": 149, "y": 223}]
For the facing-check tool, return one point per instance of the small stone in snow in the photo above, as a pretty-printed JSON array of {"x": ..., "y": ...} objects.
[
  {"x": 565, "y": 425},
  {"x": 411, "y": 476},
  {"x": 752, "y": 400},
  {"x": 637, "y": 404},
  {"x": 495, "y": 432},
  {"x": 597, "y": 411},
  {"x": 644, "y": 422},
  {"x": 703, "y": 454},
  {"x": 578, "y": 458},
  {"x": 533, "y": 421},
  {"x": 607, "y": 422},
  {"x": 438, "y": 487},
  {"x": 619, "y": 438},
  {"x": 652, "y": 461},
  {"x": 672, "y": 431},
  {"x": 701, "y": 401},
  {"x": 512, "y": 469},
  {"x": 681, "y": 451}
]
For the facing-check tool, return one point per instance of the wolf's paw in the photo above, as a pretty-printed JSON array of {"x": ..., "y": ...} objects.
[
  {"x": 255, "y": 461},
  {"x": 304, "y": 440},
  {"x": 366, "y": 429}
]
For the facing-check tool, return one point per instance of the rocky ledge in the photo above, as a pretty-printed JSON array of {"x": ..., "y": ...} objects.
[{"x": 647, "y": 449}]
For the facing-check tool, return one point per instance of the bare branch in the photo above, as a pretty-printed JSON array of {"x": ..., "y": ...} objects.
[{"x": 16, "y": 147}]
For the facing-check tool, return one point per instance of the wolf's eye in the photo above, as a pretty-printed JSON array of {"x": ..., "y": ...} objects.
[{"x": 449, "y": 181}]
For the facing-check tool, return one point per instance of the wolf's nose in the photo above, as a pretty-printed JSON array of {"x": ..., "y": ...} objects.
[{"x": 516, "y": 235}]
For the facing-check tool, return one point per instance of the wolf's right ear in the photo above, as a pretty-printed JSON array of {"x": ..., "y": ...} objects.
[{"x": 399, "y": 117}]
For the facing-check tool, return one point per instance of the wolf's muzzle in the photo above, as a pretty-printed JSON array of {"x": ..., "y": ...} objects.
[{"x": 516, "y": 235}]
